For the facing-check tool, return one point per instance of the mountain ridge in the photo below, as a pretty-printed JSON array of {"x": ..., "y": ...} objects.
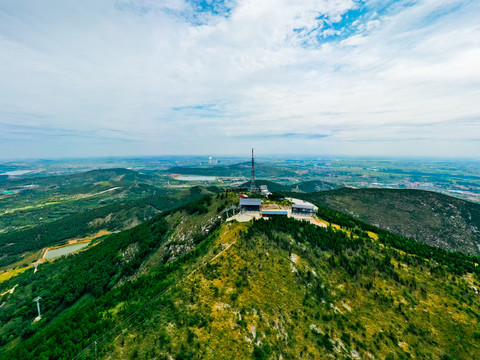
[
  {"x": 433, "y": 218},
  {"x": 239, "y": 170}
]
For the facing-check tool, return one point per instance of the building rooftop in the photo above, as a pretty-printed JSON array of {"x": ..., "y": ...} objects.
[
  {"x": 250, "y": 202},
  {"x": 297, "y": 206},
  {"x": 274, "y": 212}
]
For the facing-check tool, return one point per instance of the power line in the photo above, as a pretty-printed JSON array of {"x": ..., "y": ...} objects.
[{"x": 102, "y": 338}]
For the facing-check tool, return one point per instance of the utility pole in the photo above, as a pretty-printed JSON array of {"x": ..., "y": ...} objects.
[
  {"x": 37, "y": 300},
  {"x": 95, "y": 342}
]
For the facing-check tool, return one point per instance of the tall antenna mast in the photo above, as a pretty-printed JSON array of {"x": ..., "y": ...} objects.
[{"x": 253, "y": 187}]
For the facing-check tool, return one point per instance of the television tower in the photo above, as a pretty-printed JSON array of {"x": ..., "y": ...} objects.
[{"x": 253, "y": 187}]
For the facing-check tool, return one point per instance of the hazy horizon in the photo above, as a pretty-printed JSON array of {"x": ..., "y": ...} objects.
[
  {"x": 246, "y": 157},
  {"x": 141, "y": 78}
]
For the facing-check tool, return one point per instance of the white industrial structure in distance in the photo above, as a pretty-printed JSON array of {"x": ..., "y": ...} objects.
[{"x": 264, "y": 190}]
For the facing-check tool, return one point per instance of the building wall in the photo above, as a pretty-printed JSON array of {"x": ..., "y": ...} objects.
[
  {"x": 249, "y": 208},
  {"x": 302, "y": 212}
]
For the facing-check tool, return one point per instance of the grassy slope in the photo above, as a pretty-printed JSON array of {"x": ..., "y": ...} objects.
[
  {"x": 432, "y": 218},
  {"x": 259, "y": 303}
]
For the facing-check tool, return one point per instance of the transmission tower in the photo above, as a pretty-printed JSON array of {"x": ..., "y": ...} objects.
[{"x": 253, "y": 187}]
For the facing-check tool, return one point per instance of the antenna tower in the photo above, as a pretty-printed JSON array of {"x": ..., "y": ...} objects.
[{"x": 253, "y": 187}]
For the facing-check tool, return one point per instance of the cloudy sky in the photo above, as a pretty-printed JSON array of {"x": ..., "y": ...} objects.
[{"x": 325, "y": 77}]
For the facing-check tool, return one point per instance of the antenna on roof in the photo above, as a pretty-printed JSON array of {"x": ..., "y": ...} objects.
[{"x": 253, "y": 187}]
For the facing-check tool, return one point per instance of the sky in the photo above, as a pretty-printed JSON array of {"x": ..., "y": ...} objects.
[{"x": 193, "y": 77}]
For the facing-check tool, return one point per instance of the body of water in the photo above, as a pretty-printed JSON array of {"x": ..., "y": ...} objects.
[
  {"x": 52, "y": 254},
  {"x": 197, "y": 178},
  {"x": 16, "y": 172}
]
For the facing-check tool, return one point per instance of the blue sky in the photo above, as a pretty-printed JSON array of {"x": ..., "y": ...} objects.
[{"x": 324, "y": 77}]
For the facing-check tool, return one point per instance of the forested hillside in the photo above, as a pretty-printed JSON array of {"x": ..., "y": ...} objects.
[
  {"x": 240, "y": 170},
  {"x": 82, "y": 178},
  {"x": 435, "y": 219},
  {"x": 185, "y": 285},
  {"x": 73, "y": 289},
  {"x": 34, "y": 201},
  {"x": 306, "y": 186},
  {"x": 313, "y": 186},
  {"x": 122, "y": 215}
]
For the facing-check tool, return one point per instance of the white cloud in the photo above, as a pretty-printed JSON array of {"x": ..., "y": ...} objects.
[{"x": 119, "y": 69}]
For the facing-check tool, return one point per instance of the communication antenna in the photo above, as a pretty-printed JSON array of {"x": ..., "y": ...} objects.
[
  {"x": 37, "y": 300},
  {"x": 253, "y": 187}
]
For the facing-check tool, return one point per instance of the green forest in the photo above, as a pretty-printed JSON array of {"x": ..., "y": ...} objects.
[
  {"x": 112, "y": 217},
  {"x": 344, "y": 294}
]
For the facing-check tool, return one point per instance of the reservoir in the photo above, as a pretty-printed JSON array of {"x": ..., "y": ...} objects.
[
  {"x": 51, "y": 254},
  {"x": 16, "y": 172},
  {"x": 197, "y": 178}
]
